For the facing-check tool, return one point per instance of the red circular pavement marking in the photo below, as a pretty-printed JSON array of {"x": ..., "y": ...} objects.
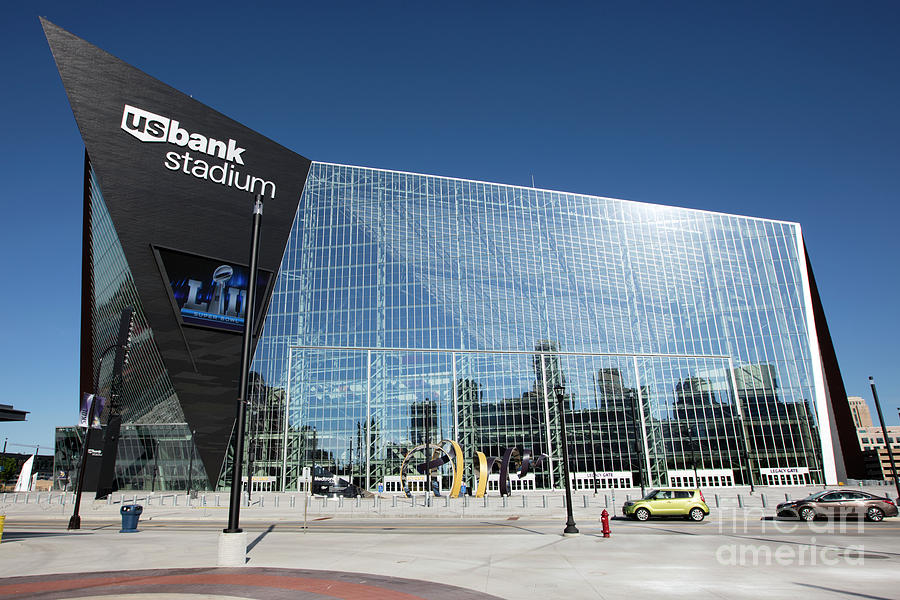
[{"x": 324, "y": 587}]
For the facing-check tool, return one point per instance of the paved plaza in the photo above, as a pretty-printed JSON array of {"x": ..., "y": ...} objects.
[{"x": 737, "y": 552}]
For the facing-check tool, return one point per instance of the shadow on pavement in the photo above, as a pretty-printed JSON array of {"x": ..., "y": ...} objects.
[
  {"x": 259, "y": 538},
  {"x": 844, "y": 592}
]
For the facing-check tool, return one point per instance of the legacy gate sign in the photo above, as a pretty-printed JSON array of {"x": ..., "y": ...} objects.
[{"x": 177, "y": 179}]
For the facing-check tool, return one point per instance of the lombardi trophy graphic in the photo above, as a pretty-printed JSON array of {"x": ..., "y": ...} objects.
[{"x": 221, "y": 276}]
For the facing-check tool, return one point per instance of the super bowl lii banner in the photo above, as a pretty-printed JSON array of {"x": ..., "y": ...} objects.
[{"x": 91, "y": 404}]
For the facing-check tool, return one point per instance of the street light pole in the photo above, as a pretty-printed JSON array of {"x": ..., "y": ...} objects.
[
  {"x": 234, "y": 509},
  {"x": 155, "y": 468},
  {"x": 690, "y": 430},
  {"x": 887, "y": 440},
  {"x": 123, "y": 341},
  {"x": 560, "y": 391},
  {"x": 427, "y": 415},
  {"x": 75, "y": 519},
  {"x": 191, "y": 464}
]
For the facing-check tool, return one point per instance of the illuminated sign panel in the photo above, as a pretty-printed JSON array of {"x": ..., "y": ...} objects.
[{"x": 209, "y": 292}]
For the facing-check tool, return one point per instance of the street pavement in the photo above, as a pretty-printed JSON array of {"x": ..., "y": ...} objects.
[{"x": 737, "y": 552}]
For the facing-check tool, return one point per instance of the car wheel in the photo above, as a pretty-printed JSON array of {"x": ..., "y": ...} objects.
[
  {"x": 696, "y": 514},
  {"x": 642, "y": 514},
  {"x": 807, "y": 514},
  {"x": 874, "y": 514}
]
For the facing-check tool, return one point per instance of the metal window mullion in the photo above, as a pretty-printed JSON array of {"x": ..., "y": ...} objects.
[
  {"x": 368, "y": 418},
  {"x": 640, "y": 395},
  {"x": 547, "y": 421}
]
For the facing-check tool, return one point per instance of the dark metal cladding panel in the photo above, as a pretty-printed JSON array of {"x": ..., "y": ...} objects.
[
  {"x": 152, "y": 205},
  {"x": 854, "y": 459}
]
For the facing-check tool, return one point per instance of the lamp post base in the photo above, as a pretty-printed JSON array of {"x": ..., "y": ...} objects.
[
  {"x": 571, "y": 530},
  {"x": 232, "y": 549},
  {"x": 75, "y": 522}
]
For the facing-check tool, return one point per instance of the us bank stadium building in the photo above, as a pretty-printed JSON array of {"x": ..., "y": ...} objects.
[{"x": 399, "y": 311}]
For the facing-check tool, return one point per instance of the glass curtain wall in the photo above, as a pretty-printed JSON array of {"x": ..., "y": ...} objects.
[
  {"x": 408, "y": 304},
  {"x": 151, "y": 457}
]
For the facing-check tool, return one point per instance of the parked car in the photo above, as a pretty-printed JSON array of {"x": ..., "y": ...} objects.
[
  {"x": 668, "y": 502},
  {"x": 838, "y": 504}
]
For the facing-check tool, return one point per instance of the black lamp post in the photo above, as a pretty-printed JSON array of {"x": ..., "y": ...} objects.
[
  {"x": 887, "y": 440},
  {"x": 126, "y": 324},
  {"x": 234, "y": 509},
  {"x": 560, "y": 391},
  {"x": 427, "y": 414},
  {"x": 693, "y": 446},
  {"x": 190, "y": 481},
  {"x": 155, "y": 468}
]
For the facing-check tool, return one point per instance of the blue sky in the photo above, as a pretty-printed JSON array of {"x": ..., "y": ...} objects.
[{"x": 785, "y": 110}]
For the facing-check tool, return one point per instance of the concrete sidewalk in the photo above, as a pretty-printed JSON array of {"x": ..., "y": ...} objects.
[
  {"x": 520, "y": 563},
  {"x": 508, "y": 549}
]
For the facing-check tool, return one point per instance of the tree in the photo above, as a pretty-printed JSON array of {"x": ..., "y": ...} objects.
[{"x": 9, "y": 468}]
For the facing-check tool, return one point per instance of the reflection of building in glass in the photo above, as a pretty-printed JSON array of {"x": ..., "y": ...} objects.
[
  {"x": 673, "y": 331},
  {"x": 151, "y": 457}
]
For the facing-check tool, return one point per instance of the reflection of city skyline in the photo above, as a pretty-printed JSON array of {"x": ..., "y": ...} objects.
[{"x": 678, "y": 419}]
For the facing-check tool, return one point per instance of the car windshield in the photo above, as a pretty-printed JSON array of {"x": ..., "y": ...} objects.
[
  {"x": 651, "y": 495},
  {"x": 815, "y": 496}
]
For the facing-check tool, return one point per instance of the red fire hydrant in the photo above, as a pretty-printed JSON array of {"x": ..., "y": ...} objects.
[{"x": 604, "y": 518}]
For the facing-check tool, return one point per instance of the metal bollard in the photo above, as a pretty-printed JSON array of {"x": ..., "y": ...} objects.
[
  {"x": 505, "y": 501},
  {"x": 357, "y": 502},
  {"x": 485, "y": 501},
  {"x": 544, "y": 500},
  {"x": 340, "y": 502},
  {"x": 109, "y": 500},
  {"x": 393, "y": 501},
  {"x": 585, "y": 498},
  {"x": 465, "y": 502},
  {"x": 524, "y": 501},
  {"x": 740, "y": 501},
  {"x": 262, "y": 501},
  {"x": 763, "y": 498},
  {"x": 217, "y": 500},
  {"x": 717, "y": 500}
]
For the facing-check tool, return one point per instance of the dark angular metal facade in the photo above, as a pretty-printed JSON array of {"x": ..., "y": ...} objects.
[{"x": 152, "y": 205}]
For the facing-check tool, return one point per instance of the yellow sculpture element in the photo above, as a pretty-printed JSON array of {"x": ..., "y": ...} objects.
[
  {"x": 436, "y": 450},
  {"x": 457, "y": 469},
  {"x": 482, "y": 475}
]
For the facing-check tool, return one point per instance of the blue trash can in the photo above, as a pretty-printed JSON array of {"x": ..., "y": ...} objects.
[{"x": 130, "y": 515}]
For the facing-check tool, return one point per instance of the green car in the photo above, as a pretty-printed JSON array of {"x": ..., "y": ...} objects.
[{"x": 689, "y": 504}]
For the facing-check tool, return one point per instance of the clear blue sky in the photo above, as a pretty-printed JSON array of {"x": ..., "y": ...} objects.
[{"x": 786, "y": 110}]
